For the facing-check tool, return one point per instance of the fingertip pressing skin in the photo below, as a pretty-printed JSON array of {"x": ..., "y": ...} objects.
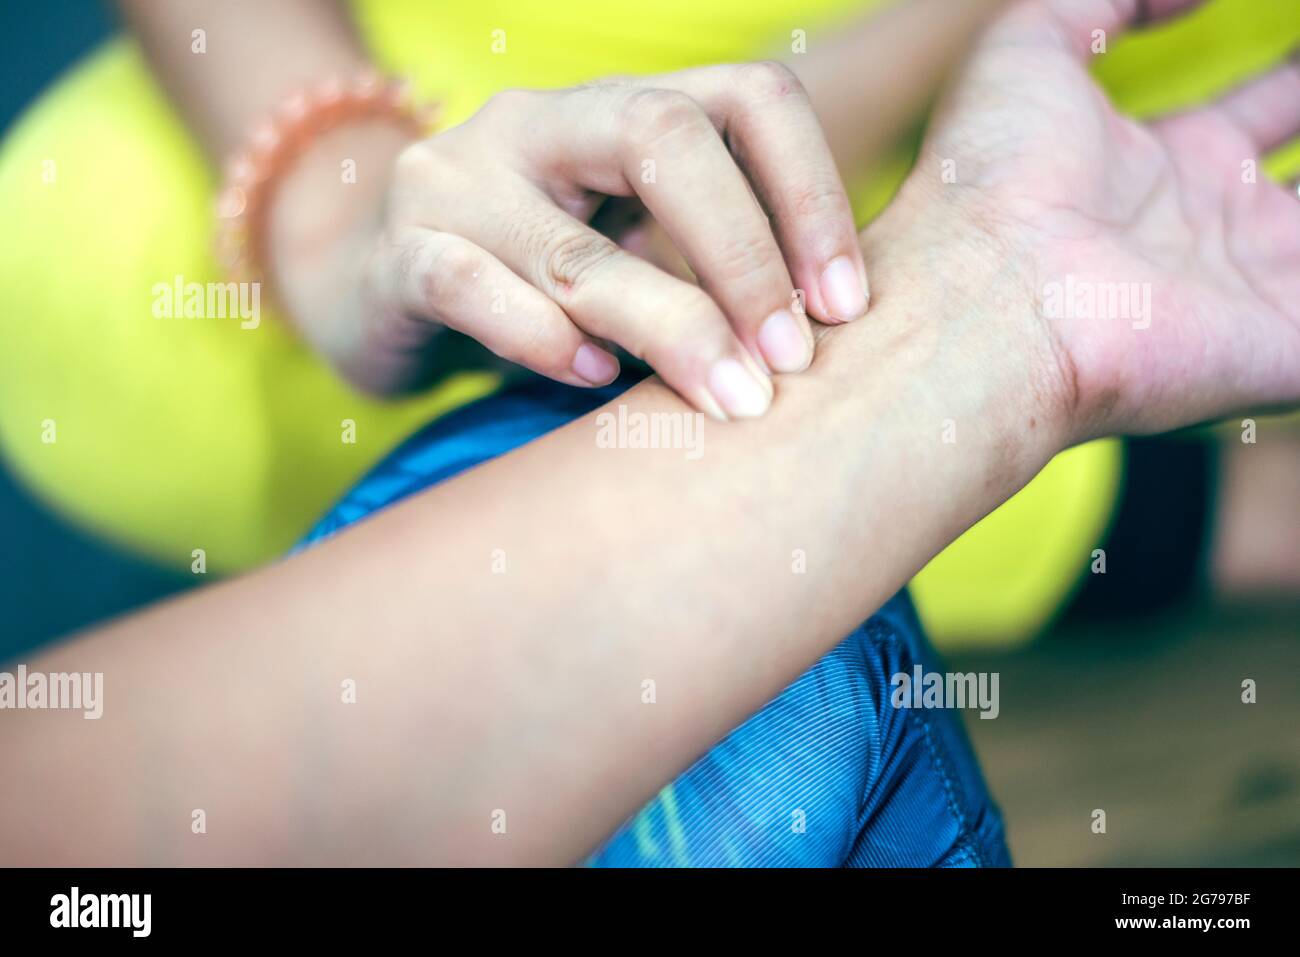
[
  {"x": 786, "y": 343},
  {"x": 741, "y": 391},
  {"x": 744, "y": 321},
  {"x": 844, "y": 289}
]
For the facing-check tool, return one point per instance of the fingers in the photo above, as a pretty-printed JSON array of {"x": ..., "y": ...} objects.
[
  {"x": 440, "y": 277},
  {"x": 1267, "y": 108},
  {"x": 663, "y": 146},
  {"x": 765, "y": 116},
  {"x": 614, "y": 295},
  {"x": 523, "y": 208},
  {"x": 1074, "y": 24}
]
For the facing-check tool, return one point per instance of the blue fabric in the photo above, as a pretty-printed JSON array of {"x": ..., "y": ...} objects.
[{"x": 827, "y": 774}]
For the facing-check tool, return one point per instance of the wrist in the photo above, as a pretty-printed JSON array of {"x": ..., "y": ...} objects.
[
  {"x": 276, "y": 146},
  {"x": 322, "y": 221},
  {"x": 958, "y": 321}
]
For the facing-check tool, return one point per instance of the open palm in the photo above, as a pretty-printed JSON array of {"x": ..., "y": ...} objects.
[{"x": 1165, "y": 270}]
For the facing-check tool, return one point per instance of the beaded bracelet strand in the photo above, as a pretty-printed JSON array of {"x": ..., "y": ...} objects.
[{"x": 253, "y": 172}]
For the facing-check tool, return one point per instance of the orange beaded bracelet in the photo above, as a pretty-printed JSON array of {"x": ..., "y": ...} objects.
[{"x": 252, "y": 173}]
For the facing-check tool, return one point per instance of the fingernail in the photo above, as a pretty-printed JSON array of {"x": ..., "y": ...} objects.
[
  {"x": 784, "y": 345},
  {"x": 738, "y": 390},
  {"x": 593, "y": 364},
  {"x": 843, "y": 289}
]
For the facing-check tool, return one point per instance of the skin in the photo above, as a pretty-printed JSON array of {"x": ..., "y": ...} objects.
[
  {"x": 888, "y": 66},
  {"x": 487, "y": 232},
  {"x": 1083, "y": 191},
  {"x": 501, "y": 228},
  {"x": 521, "y": 691}
]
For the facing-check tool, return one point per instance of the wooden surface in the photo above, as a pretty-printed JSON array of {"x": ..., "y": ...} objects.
[{"x": 1146, "y": 721}]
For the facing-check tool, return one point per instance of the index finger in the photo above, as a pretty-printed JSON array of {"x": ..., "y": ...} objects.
[{"x": 768, "y": 122}]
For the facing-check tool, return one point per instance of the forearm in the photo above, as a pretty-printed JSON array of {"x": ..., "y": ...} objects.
[
  {"x": 254, "y": 55},
  {"x": 873, "y": 80},
  {"x": 522, "y": 690}
]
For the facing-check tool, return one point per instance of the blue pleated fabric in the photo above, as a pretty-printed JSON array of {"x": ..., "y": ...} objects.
[{"x": 828, "y": 774}]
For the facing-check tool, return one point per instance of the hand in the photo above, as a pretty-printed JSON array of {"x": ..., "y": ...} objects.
[
  {"x": 1162, "y": 284},
  {"x": 492, "y": 229}
]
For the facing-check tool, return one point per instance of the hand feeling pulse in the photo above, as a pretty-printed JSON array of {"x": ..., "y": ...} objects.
[{"x": 489, "y": 231}]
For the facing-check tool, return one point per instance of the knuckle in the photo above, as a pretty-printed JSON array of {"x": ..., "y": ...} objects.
[
  {"x": 569, "y": 258},
  {"x": 816, "y": 202},
  {"x": 450, "y": 269},
  {"x": 512, "y": 101},
  {"x": 403, "y": 268},
  {"x": 743, "y": 256},
  {"x": 656, "y": 113},
  {"x": 421, "y": 170},
  {"x": 766, "y": 79},
  {"x": 416, "y": 163}
]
